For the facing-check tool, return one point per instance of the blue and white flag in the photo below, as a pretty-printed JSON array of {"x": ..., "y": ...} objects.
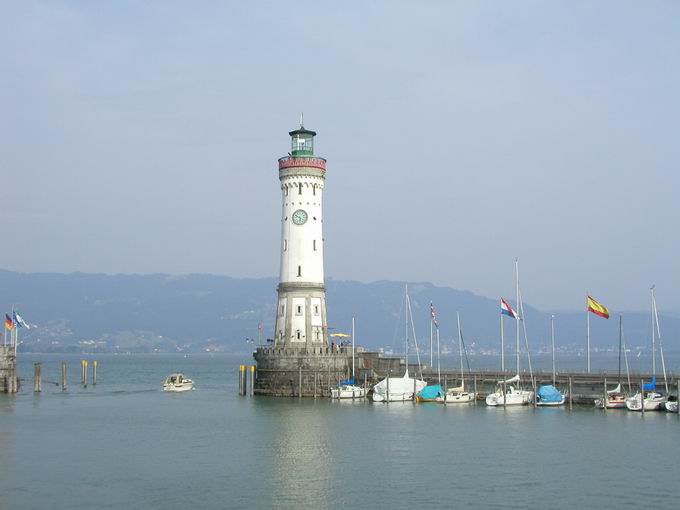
[{"x": 19, "y": 321}]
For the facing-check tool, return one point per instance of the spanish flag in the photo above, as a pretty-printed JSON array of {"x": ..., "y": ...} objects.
[
  {"x": 8, "y": 323},
  {"x": 597, "y": 308}
]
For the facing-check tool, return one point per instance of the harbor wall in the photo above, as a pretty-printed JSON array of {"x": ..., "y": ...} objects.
[{"x": 9, "y": 383}]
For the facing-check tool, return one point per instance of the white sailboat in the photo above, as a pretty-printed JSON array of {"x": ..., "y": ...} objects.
[
  {"x": 399, "y": 389},
  {"x": 511, "y": 395},
  {"x": 458, "y": 395},
  {"x": 616, "y": 399},
  {"x": 349, "y": 388},
  {"x": 648, "y": 396}
]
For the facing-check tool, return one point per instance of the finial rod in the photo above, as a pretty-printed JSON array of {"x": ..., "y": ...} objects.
[{"x": 302, "y": 120}]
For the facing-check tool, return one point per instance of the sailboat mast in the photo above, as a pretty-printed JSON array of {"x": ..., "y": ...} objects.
[
  {"x": 658, "y": 335},
  {"x": 552, "y": 337},
  {"x": 653, "y": 335},
  {"x": 439, "y": 369},
  {"x": 620, "y": 342},
  {"x": 431, "y": 349},
  {"x": 352, "y": 347},
  {"x": 406, "y": 309},
  {"x": 517, "y": 302},
  {"x": 460, "y": 345}
]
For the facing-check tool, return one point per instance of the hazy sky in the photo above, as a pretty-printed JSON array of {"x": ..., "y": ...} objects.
[{"x": 143, "y": 137}]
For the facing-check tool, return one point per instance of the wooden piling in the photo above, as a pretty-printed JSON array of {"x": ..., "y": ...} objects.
[
  {"x": 241, "y": 380},
  {"x": 316, "y": 376},
  {"x": 474, "y": 380},
  {"x": 85, "y": 371},
  {"x": 82, "y": 371},
  {"x": 642, "y": 397},
  {"x": 300, "y": 383},
  {"x": 604, "y": 395},
  {"x": 678, "y": 411},
  {"x": 571, "y": 396},
  {"x": 414, "y": 388},
  {"x": 253, "y": 374},
  {"x": 64, "y": 376},
  {"x": 505, "y": 388},
  {"x": 94, "y": 373},
  {"x": 533, "y": 381},
  {"x": 37, "y": 377},
  {"x": 387, "y": 393}
]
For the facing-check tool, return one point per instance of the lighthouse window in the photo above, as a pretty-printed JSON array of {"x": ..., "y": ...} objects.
[
  {"x": 299, "y": 310},
  {"x": 299, "y": 270},
  {"x": 286, "y": 188},
  {"x": 297, "y": 334},
  {"x": 282, "y": 309},
  {"x": 317, "y": 335},
  {"x": 314, "y": 244},
  {"x": 316, "y": 309},
  {"x": 285, "y": 244},
  {"x": 314, "y": 190},
  {"x": 300, "y": 189}
]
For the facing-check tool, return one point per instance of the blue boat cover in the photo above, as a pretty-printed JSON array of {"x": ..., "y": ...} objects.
[
  {"x": 651, "y": 385},
  {"x": 548, "y": 393},
  {"x": 351, "y": 381},
  {"x": 431, "y": 392}
]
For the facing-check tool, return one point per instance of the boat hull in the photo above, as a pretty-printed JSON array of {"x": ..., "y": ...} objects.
[
  {"x": 457, "y": 398},
  {"x": 178, "y": 388},
  {"x": 348, "y": 392},
  {"x": 671, "y": 407},
  {"x": 653, "y": 402},
  {"x": 517, "y": 398}
]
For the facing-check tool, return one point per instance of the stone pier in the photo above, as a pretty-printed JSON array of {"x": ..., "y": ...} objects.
[{"x": 9, "y": 382}]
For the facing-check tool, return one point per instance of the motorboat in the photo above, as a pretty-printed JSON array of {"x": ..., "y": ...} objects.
[
  {"x": 512, "y": 396},
  {"x": 671, "y": 404},
  {"x": 178, "y": 383}
]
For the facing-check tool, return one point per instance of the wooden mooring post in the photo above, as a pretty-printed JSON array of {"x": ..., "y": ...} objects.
[
  {"x": 571, "y": 396},
  {"x": 94, "y": 373},
  {"x": 604, "y": 395},
  {"x": 37, "y": 377},
  {"x": 533, "y": 381},
  {"x": 242, "y": 380},
  {"x": 253, "y": 375},
  {"x": 642, "y": 397},
  {"x": 85, "y": 372},
  {"x": 474, "y": 382},
  {"x": 64, "y": 376},
  {"x": 387, "y": 392}
]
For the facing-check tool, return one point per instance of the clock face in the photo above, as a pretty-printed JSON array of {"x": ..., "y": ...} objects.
[{"x": 299, "y": 217}]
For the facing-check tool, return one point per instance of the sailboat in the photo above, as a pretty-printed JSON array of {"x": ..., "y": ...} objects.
[
  {"x": 648, "y": 396},
  {"x": 548, "y": 394},
  {"x": 616, "y": 399},
  {"x": 458, "y": 395},
  {"x": 510, "y": 395},
  {"x": 398, "y": 389},
  {"x": 432, "y": 392},
  {"x": 349, "y": 388}
]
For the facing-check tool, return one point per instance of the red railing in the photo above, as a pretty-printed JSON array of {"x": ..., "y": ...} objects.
[{"x": 297, "y": 162}]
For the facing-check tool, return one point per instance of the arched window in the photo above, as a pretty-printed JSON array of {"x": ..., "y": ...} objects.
[
  {"x": 300, "y": 189},
  {"x": 299, "y": 271}
]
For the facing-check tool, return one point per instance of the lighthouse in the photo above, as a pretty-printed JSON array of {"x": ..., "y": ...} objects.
[{"x": 301, "y": 307}]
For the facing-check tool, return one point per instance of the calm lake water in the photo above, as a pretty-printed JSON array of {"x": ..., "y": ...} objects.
[{"x": 126, "y": 445}]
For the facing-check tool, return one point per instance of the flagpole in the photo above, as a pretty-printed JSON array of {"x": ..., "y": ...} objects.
[
  {"x": 502, "y": 345},
  {"x": 431, "y": 320},
  {"x": 439, "y": 371},
  {"x": 588, "y": 333}
]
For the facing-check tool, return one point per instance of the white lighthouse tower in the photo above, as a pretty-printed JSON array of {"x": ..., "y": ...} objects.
[{"x": 301, "y": 312}]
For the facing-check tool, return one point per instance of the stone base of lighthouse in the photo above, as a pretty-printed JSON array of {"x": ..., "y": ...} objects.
[
  {"x": 293, "y": 372},
  {"x": 9, "y": 382}
]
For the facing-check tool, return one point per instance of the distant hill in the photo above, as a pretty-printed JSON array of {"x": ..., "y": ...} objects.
[{"x": 141, "y": 313}]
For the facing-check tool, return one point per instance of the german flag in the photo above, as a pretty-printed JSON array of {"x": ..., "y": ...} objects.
[
  {"x": 9, "y": 324},
  {"x": 597, "y": 308}
]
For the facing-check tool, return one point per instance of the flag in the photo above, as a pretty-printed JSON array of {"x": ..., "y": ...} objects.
[
  {"x": 9, "y": 324},
  {"x": 597, "y": 308},
  {"x": 506, "y": 309},
  {"x": 433, "y": 314},
  {"x": 19, "y": 321}
]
